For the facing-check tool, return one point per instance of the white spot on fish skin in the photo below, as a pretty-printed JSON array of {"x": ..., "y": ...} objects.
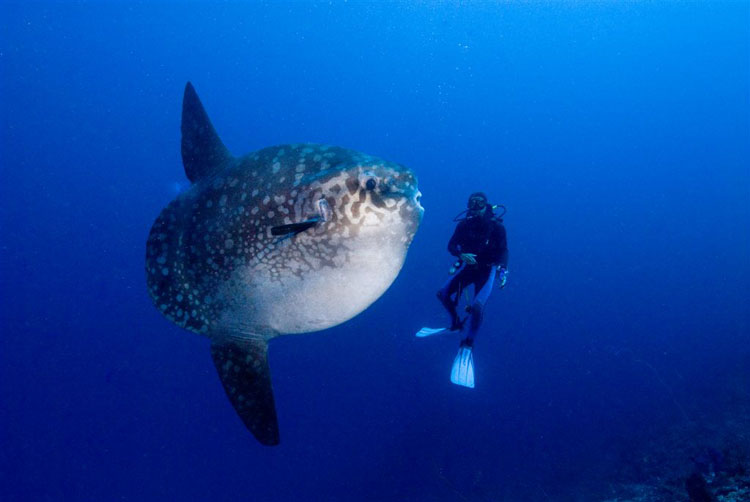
[
  {"x": 271, "y": 214},
  {"x": 254, "y": 211},
  {"x": 276, "y": 167},
  {"x": 229, "y": 244},
  {"x": 266, "y": 200},
  {"x": 165, "y": 271},
  {"x": 279, "y": 199},
  {"x": 254, "y": 193}
]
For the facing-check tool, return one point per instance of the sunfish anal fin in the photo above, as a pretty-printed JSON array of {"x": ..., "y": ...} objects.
[{"x": 243, "y": 370}]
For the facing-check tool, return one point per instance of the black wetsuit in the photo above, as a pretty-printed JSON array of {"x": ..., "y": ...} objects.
[{"x": 484, "y": 236}]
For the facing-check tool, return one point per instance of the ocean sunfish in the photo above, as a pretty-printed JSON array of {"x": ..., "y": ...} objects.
[{"x": 289, "y": 239}]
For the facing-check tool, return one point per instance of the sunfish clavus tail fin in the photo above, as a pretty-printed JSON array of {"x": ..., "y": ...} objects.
[
  {"x": 243, "y": 370},
  {"x": 203, "y": 153}
]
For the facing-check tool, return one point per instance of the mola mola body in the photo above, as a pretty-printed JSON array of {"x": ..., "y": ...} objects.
[{"x": 290, "y": 239}]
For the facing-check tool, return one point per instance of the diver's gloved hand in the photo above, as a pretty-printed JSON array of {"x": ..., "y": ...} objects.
[
  {"x": 502, "y": 276},
  {"x": 469, "y": 258}
]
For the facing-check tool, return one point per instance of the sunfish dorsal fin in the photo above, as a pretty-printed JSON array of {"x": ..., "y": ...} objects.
[
  {"x": 243, "y": 370},
  {"x": 203, "y": 153}
]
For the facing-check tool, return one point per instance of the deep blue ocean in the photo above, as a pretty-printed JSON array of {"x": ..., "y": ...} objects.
[{"x": 616, "y": 134}]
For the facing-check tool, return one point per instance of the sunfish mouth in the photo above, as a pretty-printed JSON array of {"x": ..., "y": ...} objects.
[
  {"x": 417, "y": 200},
  {"x": 411, "y": 194}
]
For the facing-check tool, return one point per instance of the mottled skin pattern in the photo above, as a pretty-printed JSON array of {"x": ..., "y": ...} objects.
[{"x": 214, "y": 268}]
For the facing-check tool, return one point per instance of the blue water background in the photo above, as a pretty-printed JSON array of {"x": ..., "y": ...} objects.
[{"x": 616, "y": 134}]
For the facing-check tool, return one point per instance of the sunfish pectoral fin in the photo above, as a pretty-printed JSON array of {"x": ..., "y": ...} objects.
[
  {"x": 294, "y": 228},
  {"x": 324, "y": 214},
  {"x": 243, "y": 370}
]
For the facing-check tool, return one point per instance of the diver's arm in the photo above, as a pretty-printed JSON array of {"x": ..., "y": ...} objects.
[
  {"x": 502, "y": 260},
  {"x": 497, "y": 253},
  {"x": 454, "y": 246}
]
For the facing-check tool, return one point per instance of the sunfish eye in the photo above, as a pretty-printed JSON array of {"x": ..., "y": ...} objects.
[{"x": 371, "y": 184}]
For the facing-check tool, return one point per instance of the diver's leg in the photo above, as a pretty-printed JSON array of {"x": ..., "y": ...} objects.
[
  {"x": 484, "y": 286},
  {"x": 446, "y": 296}
]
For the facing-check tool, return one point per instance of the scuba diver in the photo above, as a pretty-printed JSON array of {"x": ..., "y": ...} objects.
[{"x": 479, "y": 243}]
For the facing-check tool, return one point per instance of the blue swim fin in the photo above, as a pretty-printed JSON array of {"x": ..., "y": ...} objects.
[
  {"x": 430, "y": 331},
  {"x": 462, "y": 372},
  {"x": 458, "y": 325}
]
